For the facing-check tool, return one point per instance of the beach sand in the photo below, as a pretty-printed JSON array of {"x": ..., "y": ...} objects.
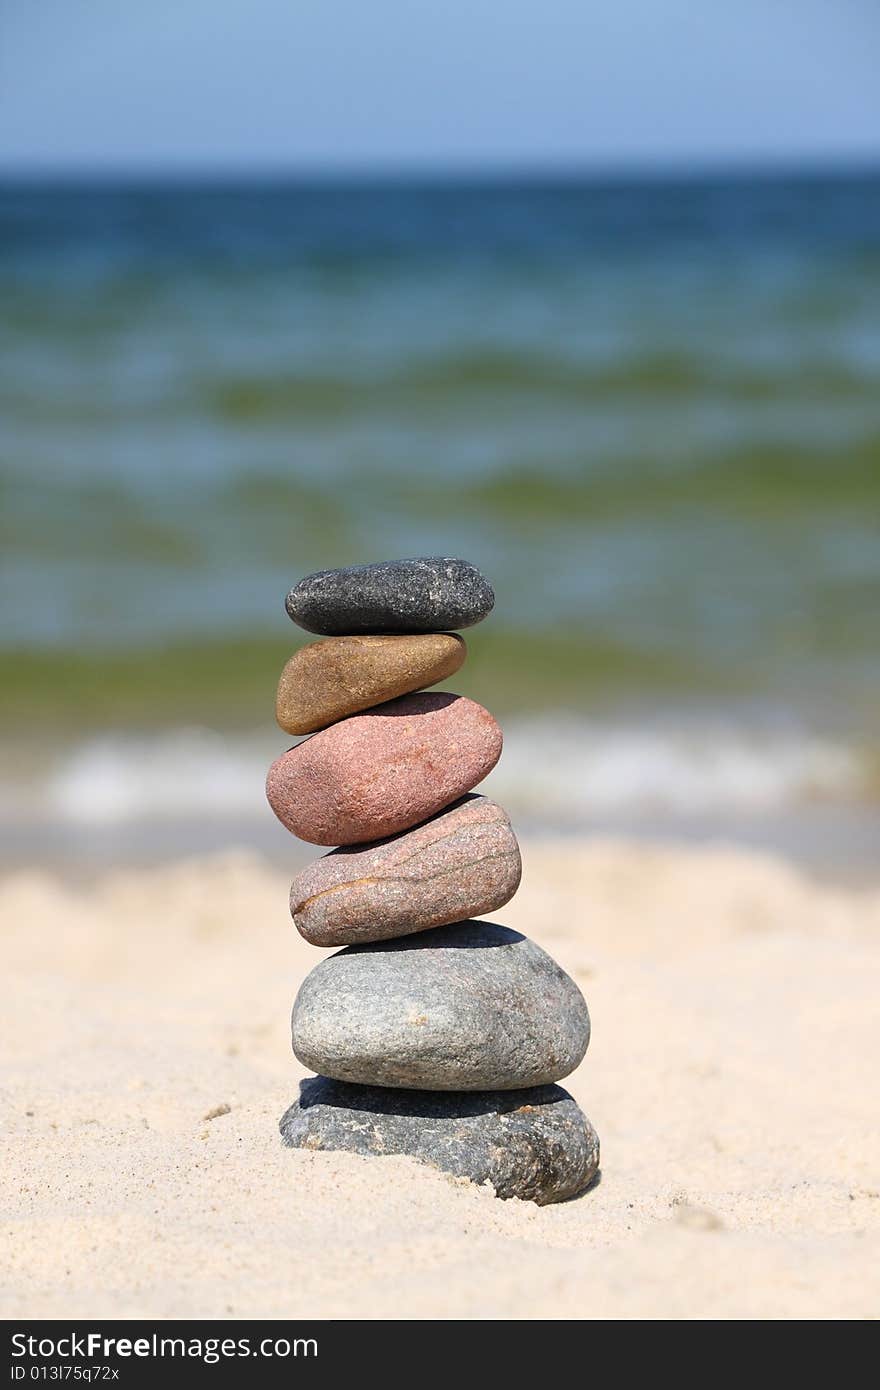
[{"x": 732, "y": 1078}]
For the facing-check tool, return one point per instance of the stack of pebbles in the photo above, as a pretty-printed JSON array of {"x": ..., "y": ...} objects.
[{"x": 432, "y": 1035}]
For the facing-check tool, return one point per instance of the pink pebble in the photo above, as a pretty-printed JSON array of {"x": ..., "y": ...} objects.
[{"x": 385, "y": 770}]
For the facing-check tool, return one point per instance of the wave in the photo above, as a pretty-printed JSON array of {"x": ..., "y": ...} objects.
[
  {"x": 564, "y": 769},
  {"x": 573, "y": 767}
]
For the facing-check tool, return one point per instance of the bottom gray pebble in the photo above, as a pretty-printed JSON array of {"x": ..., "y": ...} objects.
[{"x": 535, "y": 1144}]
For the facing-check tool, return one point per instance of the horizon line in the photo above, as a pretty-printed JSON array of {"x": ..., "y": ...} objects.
[{"x": 675, "y": 169}]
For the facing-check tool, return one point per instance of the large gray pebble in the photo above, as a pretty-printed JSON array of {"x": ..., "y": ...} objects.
[
  {"x": 432, "y": 594},
  {"x": 534, "y": 1144},
  {"x": 467, "y": 1007}
]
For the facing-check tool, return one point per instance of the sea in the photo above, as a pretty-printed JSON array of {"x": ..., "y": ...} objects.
[{"x": 647, "y": 408}]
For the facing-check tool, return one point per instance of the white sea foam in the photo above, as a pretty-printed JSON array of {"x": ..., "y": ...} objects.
[
  {"x": 581, "y": 768},
  {"x": 183, "y": 773},
  {"x": 552, "y": 769}
]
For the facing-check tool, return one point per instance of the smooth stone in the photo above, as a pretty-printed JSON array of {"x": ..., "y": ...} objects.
[
  {"x": 468, "y": 1007},
  {"x": 338, "y": 676},
  {"x": 380, "y": 772},
  {"x": 423, "y": 595},
  {"x": 461, "y": 863},
  {"x": 534, "y": 1144}
]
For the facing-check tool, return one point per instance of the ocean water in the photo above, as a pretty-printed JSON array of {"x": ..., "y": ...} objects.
[{"x": 650, "y": 411}]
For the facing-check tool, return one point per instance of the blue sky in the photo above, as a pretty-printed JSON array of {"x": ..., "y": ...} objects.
[{"x": 251, "y": 84}]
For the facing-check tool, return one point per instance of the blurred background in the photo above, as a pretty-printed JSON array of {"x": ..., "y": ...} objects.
[{"x": 588, "y": 294}]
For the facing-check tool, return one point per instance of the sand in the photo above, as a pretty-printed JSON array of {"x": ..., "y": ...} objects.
[{"x": 732, "y": 1077}]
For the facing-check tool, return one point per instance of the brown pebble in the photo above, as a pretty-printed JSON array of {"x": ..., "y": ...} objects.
[
  {"x": 325, "y": 681},
  {"x": 377, "y": 773},
  {"x": 461, "y": 863}
]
